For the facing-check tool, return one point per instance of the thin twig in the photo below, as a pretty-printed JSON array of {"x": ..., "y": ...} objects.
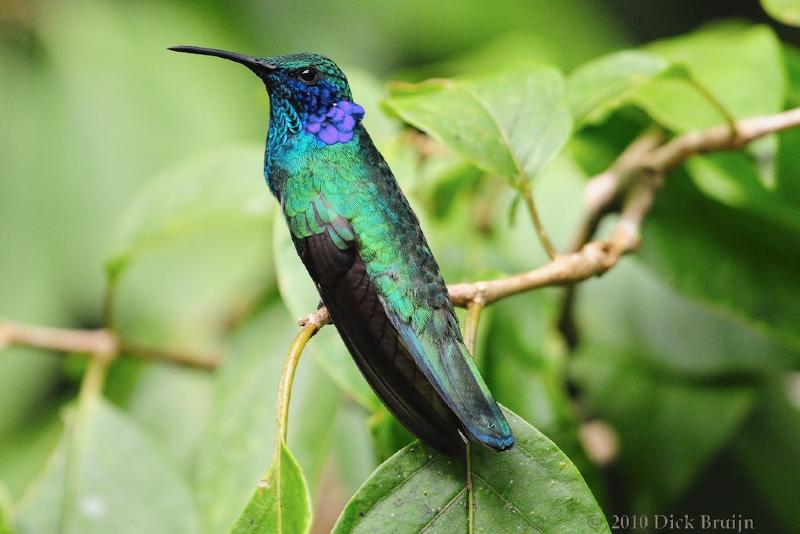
[
  {"x": 319, "y": 317},
  {"x": 605, "y": 189},
  {"x": 99, "y": 342},
  {"x": 207, "y": 362},
  {"x": 647, "y": 155}
]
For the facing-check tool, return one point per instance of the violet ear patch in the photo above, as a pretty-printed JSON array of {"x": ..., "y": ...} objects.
[{"x": 337, "y": 124}]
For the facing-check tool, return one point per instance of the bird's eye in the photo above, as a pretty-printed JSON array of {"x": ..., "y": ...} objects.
[{"x": 308, "y": 75}]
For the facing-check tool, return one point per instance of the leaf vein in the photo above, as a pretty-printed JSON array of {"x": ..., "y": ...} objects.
[
  {"x": 443, "y": 510},
  {"x": 404, "y": 481},
  {"x": 515, "y": 507}
]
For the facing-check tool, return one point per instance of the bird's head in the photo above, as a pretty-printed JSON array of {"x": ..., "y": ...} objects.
[{"x": 308, "y": 91}]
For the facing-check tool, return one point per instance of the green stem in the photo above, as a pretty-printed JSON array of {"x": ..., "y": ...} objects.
[
  {"x": 91, "y": 389},
  {"x": 730, "y": 120},
  {"x": 94, "y": 379},
  {"x": 527, "y": 195},
  {"x": 282, "y": 410},
  {"x": 470, "y": 494},
  {"x": 474, "y": 310},
  {"x": 287, "y": 378}
]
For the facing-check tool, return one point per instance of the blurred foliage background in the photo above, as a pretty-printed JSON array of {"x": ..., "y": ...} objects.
[{"x": 115, "y": 158}]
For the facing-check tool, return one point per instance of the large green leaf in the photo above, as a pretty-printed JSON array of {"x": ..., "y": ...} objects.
[
  {"x": 511, "y": 124},
  {"x": 202, "y": 192},
  {"x": 632, "y": 308},
  {"x": 682, "y": 81},
  {"x": 5, "y": 511},
  {"x": 526, "y": 371},
  {"x": 106, "y": 476},
  {"x": 532, "y": 487},
  {"x": 281, "y": 503},
  {"x": 236, "y": 447},
  {"x": 171, "y": 402},
  {"x": 600, "y": 86},
  {"x": 668, "y": 428},
  {"x": 734, "y": 260},
  {"x": 690, "y": 82},
  {"x": 733, "y": 62},
  {"x": 768, "y": 448},
  {"x": 786, "y": 11},
  {"x": 193, "y": 252}
]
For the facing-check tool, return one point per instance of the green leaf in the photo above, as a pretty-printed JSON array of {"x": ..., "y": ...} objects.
[
  {"x": 170, "y": 402},
  {"x": 26, "y": 446},
  {"x": 682, "y": 82},
  {"x": 703, "y": 87},
  {"x": 511, "y": 124},
  {"x": 532, "y": 487},
  {"x": 281, "y": 503},
  {"x": 728, "y": 260},
  {"x": 734, "y": 179},
  {"x": 193, "y": 252},
  {"x": 106, "y": 476},
  {"x": 203, "y": 192},
  {"x": 786, "y": 11},
  {"x": 668, "y": 428},
  {"x": 670, "y": 331},
  {"x": 525, "y": 369},
  {"x": 791, "y": 58},
  {"x": 353, "y": 454},
  {"x": 768, "y": 448},
  {"x": 5, "y": 511},
  {"x": 600, "y": 86},
  {"x": 732, "y": 62}
]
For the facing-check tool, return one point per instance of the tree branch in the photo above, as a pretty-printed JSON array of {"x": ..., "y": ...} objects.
[
  {"x": 102, "y": 343},
  {"x": 96, "y": 342},
  {"x": 648, "y": 155},
  {"x": 603, "y": 191}
]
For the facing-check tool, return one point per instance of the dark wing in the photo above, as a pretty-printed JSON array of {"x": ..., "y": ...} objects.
[{"x": 328, "y": 251}]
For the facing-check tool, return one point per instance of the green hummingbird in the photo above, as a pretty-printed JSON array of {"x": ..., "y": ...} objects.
[{"x": 363, "y": 246}]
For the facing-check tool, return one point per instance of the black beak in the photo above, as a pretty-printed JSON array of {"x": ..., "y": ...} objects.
[{"x": 252, "y": 63}]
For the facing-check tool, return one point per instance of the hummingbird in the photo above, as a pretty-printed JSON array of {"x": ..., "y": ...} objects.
[{"x": 365, "y": 251}]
